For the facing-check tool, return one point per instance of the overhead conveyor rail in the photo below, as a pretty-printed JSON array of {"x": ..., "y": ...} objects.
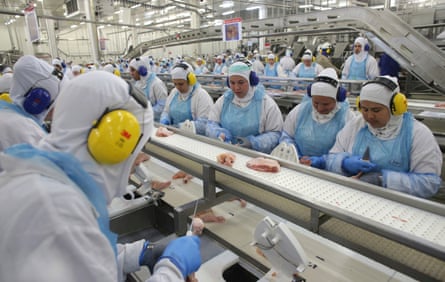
[
  {"x": 302, "y": 194},
  {"x": 412, "y": 50}
]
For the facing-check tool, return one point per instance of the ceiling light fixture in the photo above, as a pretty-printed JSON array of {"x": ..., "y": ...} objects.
[
  {"x": 135, "y": 6},
  {"x": 227, "y": 4},
  {"x": 252, "y": 8},
  {"x": 228, "y": 13}
]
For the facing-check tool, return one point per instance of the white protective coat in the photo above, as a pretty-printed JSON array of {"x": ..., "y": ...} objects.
[
  {"x": 200, "y": 104},
  {"x": 425, "y": 156},
  {"x": 50, "y": 231}
]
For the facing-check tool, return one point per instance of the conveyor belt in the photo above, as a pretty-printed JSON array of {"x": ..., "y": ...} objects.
[{"x": 421, "y": 227}]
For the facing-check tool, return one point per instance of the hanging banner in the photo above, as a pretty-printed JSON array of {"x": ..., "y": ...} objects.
[
  {"x": 32, "y": 24},
  {"x": 232, "y": 30}
]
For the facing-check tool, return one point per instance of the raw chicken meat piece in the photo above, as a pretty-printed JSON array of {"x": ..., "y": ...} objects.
[
  {"x": 181, "y": 174},
  {"x": 163, "y": 132},
  {"x": 263, "y": 164},
  {"x": 226, "y": 159},
  {"x": 209, "y": 216}
]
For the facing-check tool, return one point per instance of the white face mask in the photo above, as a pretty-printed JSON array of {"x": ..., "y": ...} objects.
[
  {"x": 324, "y": 118},
  {"x": 390, "y": 130},
  {"x": 243, "y": 102}
]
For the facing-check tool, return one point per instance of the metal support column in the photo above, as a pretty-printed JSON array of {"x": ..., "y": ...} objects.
[{"x": 92, "y": 31}]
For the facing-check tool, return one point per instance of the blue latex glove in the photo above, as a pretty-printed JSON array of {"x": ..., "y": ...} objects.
[
  {"x": 318, "y": 162},
  {"x": 355, "y": 164},
  {"x": 243, "y": 142},
  {"x": 164, "y": 121},
  {"x": 185, "y": 253},
  {"x": 372, "y": 178},
  {"x": 151, "y": 253}
]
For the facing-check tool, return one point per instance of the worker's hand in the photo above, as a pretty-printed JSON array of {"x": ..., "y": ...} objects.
[
  {"x": 151, "y": 253},
  {"x": 164, "y": 121},
  {"x": 243, "y": 142},
  {"x": 355, "y": 164},
  {"x": 317, "y": 162},
  {"x": 184, "y": 253},
  {"x": 372, "y": 178}
]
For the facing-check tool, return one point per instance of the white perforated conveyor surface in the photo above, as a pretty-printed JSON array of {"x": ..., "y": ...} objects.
[{"x": 394, "y": 215}]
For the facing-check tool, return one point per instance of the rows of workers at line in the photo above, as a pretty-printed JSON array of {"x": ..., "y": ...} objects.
[
  {"x": 359, "y": 66},
  {"x": 311, "y": 127},
  {"x": 75, "y": 166}
]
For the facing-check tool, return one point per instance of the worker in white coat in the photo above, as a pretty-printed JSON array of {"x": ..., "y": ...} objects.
[
  {"x": 386, "y": 146},
  {"x": 307, "y": 68},
  {"x": 245, "y": 115},
  {"x": 6, "y": 80},
  {"x": 312, "y": 125},
  {"x": 360, "y": 65},
  {"x": 65, "y": 184},
  {"x": 34, "y": 89},
  {"x": 187, "y": 101},
  {"x": 150, "y": 84}
]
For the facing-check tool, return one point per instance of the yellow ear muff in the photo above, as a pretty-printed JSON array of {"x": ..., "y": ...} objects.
[
  {"x": 399, "y": 104},
  {"x": 5, "y": 97},
  {"x": 113, "y": 138},
  {"x": 357, "y": 103},
  {"x": 191, "y": 78},
  {"x": 116, "y": 72}
]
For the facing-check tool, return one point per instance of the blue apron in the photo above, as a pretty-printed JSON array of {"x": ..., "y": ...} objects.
[
  {"x": 181, "y": 110},
  {"x": 391, "y": 154},
  {"x": 242, "y": 122},
  {"x": 357, "y": 71},
  {"x": 272, "y": 72},
  {"x": 305, "y": 72},
  {"x": 313, "y": 138}
]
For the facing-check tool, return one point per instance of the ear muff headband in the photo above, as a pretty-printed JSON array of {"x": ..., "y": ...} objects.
[
  {"x": 142, "y": 70},
  {"x": 341, "y": 92},
  {"x": 38, "y": 99},
  {"x": 115, "y": 135},
  {"x": 191, "y": 77},
  {"x": 398, "y": 103},
  {"x": 254, "y": 80}
]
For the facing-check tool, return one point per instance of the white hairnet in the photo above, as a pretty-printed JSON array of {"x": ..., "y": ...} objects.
[
  {"x": 379, "y": 93},
  {"x": 136, "y": 63},
  {"x": 57, "y": 62},
  {"x": 76, "y": 68},
  {"x": 31, "y": 72},
  {"x": 109, "y": 68},
  {"x": 271, "y": 56},
  {"x": 323, "y": 88},
  {"x": 69, "y": 130},
  {"x": 307, "y": 55}
]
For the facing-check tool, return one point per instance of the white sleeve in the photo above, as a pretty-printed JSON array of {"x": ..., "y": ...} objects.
[
  {"x": 128, "y": 258},
  {"x": 158, "y": 90},
  {"x": 166, "y": 271},
  {"x": 372, "y": 68},
  {"x": 318, "y": 69},
  {"x": 201, "y": 104},
  {"x": 280, "y": 72},
  {"x": 224, "y": 70},
  {"x": 296, "y": 69},
  {"x": 345, "y": 71},
  {"x": 291, "y": 121},
  {"x": 426, "y": 156},
  {"x": 215, "y": 110},
  {"x": 271, "y": 119}
]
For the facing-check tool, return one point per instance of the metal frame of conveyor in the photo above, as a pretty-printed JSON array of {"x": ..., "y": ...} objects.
[{"x": 191, "y": 154}]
